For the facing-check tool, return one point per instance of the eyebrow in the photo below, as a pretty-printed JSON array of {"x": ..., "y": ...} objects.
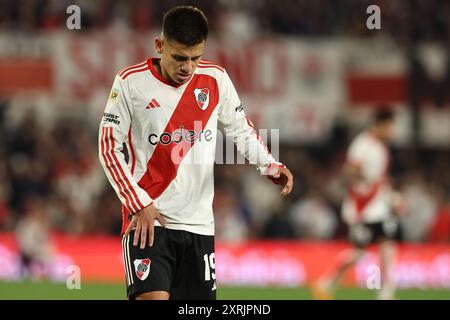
[{"x": 184, "y": 58}]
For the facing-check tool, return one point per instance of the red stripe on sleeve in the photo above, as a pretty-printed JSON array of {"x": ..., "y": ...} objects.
[
  {"x": 124, "y": 177},
  {"x": 126, "y": 74},
  {"x": 133, "y": 156},
  {"x": 206, "y": 62},
  {"x": 211, "y": 66},
  {"x": 115, "y": 163},
  {"x": 106, "y": 159},
  {"x": 135, "y": 66}
]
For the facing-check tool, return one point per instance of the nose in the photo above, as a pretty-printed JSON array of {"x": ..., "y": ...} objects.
[{"x": 187, "y": 67}]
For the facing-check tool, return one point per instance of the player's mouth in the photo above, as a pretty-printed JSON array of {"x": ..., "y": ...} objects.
[{"x": 182, "y": 77}]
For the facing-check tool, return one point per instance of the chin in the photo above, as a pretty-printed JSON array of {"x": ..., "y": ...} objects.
[
  {"x": 174, "y": 80},
  {"x": 181, "y": 81}
]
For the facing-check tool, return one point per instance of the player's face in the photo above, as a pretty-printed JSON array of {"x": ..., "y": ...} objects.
[
  {"x": 387, "y": 130},
  {"x": 178, "y": 61}
]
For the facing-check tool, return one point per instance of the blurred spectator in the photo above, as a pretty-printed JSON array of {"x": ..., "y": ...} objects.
[
  {"x": 230, "y": 224},
  {"x": 261, "y": 207},
  {"x": 3, "y": 192},
  {"x": 33, "y": 239},
  {"x": 312, "y": 218},
  {"x": 440, "y": 227},
  {"x": 278, "y": 226},
  {"x": 421, "y": 207},
  {"x": 3, "y": 213}
]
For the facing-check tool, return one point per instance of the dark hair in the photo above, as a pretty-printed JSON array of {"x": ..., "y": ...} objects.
[
  {"x": 383, "y": 114},
  {"x": 186, "y": 25}
]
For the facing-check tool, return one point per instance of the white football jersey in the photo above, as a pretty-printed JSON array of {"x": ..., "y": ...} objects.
[
  {"x": 170, "y": 137},
  {"x": 369, "y": 200}
]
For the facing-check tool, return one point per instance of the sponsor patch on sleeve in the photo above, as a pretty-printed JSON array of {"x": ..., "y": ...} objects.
[
  {"x": 239, "y": 108},
  {"x": 109, "y": 117},
  {"x": 114, "y": 94}
]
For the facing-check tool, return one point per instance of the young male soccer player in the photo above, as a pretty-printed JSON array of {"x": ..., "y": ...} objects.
[
  {"x": 369, "y": 206},
  {"x": 164, "y": 110}
]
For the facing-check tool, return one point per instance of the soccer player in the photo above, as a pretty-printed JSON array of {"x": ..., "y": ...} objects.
[
  {"x": 369, "y": 206},
  {"x": 165, "y": 110}
]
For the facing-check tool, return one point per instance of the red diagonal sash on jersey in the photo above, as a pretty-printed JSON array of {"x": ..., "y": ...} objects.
[
  {"x": 362, "y": 200},
  {"x": 161, "y": 170}
]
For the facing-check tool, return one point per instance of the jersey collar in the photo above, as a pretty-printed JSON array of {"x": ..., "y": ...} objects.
[{"x": 151, "y": 64}]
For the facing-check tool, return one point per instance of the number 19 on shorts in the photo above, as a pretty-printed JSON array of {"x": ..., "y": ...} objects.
[{"x": 209, "y": 267}]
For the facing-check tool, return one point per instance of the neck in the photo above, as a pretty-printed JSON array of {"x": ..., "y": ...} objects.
[
  {"x": 375, "y": 133},
  {"x": 162, "y": 72},
  {"x": 159, "y": 69}
]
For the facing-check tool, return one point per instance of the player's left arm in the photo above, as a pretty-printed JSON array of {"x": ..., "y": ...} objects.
[{"x": 236, "y": 125}]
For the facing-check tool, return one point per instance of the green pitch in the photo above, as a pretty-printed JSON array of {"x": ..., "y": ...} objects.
[{"x": 46, "y": 290}]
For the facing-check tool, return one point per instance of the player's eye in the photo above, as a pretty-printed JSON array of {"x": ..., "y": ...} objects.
[{"x": 179, "y": 58}]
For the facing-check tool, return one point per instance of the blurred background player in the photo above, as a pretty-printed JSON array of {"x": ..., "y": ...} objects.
[{"x": 371, "y": 204}]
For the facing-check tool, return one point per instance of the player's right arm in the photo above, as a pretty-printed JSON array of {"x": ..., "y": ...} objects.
[
  {"x": 352, "y": 173},
  {"x": 113, "y": 133}
]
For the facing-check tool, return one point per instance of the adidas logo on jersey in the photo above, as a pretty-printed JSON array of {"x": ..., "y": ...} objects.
[{"x": 153, "y": 104}]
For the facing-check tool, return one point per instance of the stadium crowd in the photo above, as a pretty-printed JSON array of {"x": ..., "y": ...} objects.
[{"x": 401, "y": 18}]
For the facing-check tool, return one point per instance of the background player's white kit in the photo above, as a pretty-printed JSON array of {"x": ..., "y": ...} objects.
[{"x": 368, "y": 200}]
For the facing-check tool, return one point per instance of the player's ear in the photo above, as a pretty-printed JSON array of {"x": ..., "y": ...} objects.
[{"x": 159, "y": 45}]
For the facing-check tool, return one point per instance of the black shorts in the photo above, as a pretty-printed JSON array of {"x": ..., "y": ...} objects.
[
  {"x": 363, "y": 234},
  {"x": 179, "y": 262}
]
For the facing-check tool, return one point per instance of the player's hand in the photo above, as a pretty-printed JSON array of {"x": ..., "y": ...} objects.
[
  {"x": 144, "y": 222},
  {"x": 283, "y": 177}
]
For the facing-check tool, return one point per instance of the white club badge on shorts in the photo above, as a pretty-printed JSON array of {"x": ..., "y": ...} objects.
[
  {"x": 202, "y": 97},
  {"x": 142, "y": 268}
]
